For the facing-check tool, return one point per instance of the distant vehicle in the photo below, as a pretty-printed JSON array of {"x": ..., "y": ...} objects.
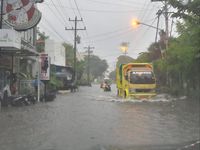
[
  {"x": 135, "y": 80},
  {"x": 64, "y": 74},
  {"x": 106, "y": 85}
]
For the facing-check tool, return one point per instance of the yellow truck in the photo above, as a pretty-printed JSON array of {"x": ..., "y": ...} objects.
[{"x": 135, "y": 80}]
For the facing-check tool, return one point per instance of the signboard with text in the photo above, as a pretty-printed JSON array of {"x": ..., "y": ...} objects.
[
  {"x": 44, "y": 67},
  {"x": 10, "y": 39}
]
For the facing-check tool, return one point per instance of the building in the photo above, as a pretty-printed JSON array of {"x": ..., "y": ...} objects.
[
  {"x": 17, "y": 45},
  {"x": 56, "y": 51}
]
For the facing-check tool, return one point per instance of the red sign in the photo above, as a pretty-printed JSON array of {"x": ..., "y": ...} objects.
[
  {"x": 21, "y": 14},
  {"x": 44, "y": 67}
]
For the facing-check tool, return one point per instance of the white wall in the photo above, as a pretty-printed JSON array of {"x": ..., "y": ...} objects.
[{"x": 56, "y": 51}]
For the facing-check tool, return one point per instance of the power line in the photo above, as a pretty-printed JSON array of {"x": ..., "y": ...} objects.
[
  {"x": 52, "y": 10},
  {"x": 113, "y": 36},
  {"x": 108, "y": 33},
  {"x": 77, "y": 8},
  {"x": 59, "y": 11},
  {"x": 114, "y": 31},
  {"x": 102, "y": 11},
  {"x": 113, "y": 4},
  {"x": 63, "y": 10},
  {"x": 59, "y": 19},
  {"x": 75, "y": 29},
  {"x": 48, "y": 30},
  {"x": 138, "y": 39},
  {"x": 70, "y": 1},
  {"x": 80, "y": 15},
  {"x": 52, "y": 27}
]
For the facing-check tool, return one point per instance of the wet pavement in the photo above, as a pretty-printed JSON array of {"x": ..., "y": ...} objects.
[{"x": 95, "y": 120}]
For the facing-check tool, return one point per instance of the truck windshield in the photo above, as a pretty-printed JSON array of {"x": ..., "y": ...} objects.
[{"x": 142, "y": 77}]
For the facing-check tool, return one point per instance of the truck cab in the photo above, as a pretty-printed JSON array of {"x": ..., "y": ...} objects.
[{"x": 136, "y": 80}]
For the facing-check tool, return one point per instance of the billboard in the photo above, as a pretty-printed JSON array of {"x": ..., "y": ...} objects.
[
  {"x": 44, "y": 67},
  {"x": 21, "y": 14}
]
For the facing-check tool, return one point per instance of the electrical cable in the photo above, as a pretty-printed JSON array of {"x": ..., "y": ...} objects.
[
  {"x": 107, "y": 33},
  {"x": 102, "y": 11},
  {"x": 113, "y": 4},
  {"x": 50, "y": 25},
  {"x": 113, "y": 36},
  {"x": 59, "y": 19},
  {"x": 81, "y": 16}
]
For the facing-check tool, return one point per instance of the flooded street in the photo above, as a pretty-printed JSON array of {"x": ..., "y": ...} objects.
[{"x": 95, "y": 120}]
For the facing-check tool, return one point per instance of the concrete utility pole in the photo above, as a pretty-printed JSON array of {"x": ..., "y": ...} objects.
[
  {"x": 166, "y": 23},
  {"x": 165, "y": 13},
  {"x": 75, "y": 29},
  {"x": 157, "y": 27},
  {"x": 1, "y": 21},
  {"x": 88, "y": 59}
]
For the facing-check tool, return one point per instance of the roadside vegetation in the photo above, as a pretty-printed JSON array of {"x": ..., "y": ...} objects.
[{"x": 177, "y": 68}]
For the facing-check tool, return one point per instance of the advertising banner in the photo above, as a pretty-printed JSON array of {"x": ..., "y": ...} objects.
[
  {"x": 21, "y": 14},
  {"x": 44, "y": 67}
]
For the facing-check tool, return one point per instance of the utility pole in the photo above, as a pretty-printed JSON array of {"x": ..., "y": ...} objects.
[
  {"x": 88, "y": 59},
  {"x": 75, "y": 29},
  {"x": 166, "y": 23},
  {"x": 157, "y": 27},
  {"x": 165, "y": 13},
  {"x": 1, "y": 21}
]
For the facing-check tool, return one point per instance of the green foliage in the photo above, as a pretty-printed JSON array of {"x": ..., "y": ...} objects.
[
  {"x": 123, "y": 59},
  {"x": 189, "y": 11},
  {"x": 80, "y": 68},
  {"x": 112, "y": 75},
  {"x": 143, "y": 57},
  {"x": 178, "y": 72},
  {"x": 97, "y": 66},
  {"x": 69, "y": 52},
  {"x": 54, "y": 83},
  {"x": 40, "y": 44}
]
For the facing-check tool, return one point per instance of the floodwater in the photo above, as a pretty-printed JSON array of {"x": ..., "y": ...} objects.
[{"x": 95, "y": 120}]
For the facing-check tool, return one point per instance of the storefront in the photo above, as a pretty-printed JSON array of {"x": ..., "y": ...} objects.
[{"x": 14, "y": 49}]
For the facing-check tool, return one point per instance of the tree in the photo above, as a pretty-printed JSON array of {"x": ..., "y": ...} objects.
[
  {"x": 188, "y": 11},
  {"x": 69, "y": 52},
  {"x": 97, "y": 66},
  {"x": 40, "y": 43},
  {"x": 123, "y": 59},
  {"x": 112, "y": 75}
]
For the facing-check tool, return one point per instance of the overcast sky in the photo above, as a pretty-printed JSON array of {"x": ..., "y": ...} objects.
[{"x": 108, "y": 24}]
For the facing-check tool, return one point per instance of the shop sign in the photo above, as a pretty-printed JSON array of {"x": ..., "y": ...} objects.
[
  {"x": 10, "y": 39},
  {"x": 44, "y": 67},
  {"x": 21, "y": 14}
]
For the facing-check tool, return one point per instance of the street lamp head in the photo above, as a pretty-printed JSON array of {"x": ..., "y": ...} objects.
[{"x": 135, "y": 22}]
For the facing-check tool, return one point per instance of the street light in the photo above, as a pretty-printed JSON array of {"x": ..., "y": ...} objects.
[
  {"x": 124, "y": 47},
  {"x": 135, "y": 23},
  {"x": 163, "y": 35}
]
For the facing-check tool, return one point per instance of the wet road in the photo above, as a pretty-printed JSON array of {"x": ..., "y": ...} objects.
[{"x": 95, "y": 120}]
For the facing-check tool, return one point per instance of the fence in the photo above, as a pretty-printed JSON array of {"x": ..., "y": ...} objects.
[{"x": 27, "y": 87}]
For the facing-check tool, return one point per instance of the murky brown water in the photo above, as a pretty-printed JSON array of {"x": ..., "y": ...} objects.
[{"x": 95, "y": 120}]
